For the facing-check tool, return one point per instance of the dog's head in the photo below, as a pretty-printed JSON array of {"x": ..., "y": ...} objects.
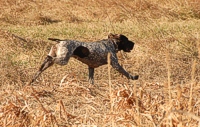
[{"x": 122, "y": 42}]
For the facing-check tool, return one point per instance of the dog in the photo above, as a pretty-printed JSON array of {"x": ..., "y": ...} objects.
[{"x": 94, "y": 54}]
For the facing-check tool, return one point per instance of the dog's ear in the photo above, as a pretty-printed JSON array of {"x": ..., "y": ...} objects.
[
  {"x": 110, "y": 36},
  {"x": 113, "y": 36}
]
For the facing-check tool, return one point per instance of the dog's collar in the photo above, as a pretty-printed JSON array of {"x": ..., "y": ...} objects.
[{"x": 115, "y": 44}]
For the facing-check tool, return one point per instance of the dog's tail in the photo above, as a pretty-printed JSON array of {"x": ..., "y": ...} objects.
[{"x": 55, "y": 39}]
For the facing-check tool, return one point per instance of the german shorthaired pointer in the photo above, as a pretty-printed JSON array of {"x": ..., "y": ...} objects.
[{"x": 94, "y": 54}]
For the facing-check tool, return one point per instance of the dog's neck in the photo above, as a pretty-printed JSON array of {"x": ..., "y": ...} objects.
[{"x": 114, "y": 42}]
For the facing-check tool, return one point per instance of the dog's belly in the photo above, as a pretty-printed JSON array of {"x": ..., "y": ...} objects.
[{"x": 94, "y": 63}]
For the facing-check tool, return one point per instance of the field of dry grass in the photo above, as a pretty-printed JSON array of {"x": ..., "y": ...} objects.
[{"x": 166, "y": 56}]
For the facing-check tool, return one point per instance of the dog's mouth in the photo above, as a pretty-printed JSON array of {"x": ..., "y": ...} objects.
[{"x": 127, "y": 50}]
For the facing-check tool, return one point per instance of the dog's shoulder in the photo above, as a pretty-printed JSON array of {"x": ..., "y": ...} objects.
[{"x": 101, "y": 45}]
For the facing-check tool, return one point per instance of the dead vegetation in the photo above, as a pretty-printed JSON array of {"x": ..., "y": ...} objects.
[{"x": 166, "y": 56}]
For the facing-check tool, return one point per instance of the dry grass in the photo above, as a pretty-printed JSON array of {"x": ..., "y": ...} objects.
[{"x": 166, "y": 56}]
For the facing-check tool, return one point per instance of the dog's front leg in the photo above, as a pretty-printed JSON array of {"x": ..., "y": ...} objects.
[
  {"x": 120, "y": 69},
  {"x": 91, "y": 75}
]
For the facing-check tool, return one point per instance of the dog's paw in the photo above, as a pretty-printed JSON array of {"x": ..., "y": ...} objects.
[{"x": 135, "y": 77}]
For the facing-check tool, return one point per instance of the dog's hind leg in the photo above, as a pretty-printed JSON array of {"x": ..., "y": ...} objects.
[{"x": 47, "y": 63}]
